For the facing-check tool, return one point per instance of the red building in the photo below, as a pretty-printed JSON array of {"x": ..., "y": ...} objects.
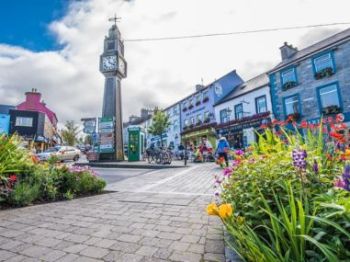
[{"x": 35, "y": 122}]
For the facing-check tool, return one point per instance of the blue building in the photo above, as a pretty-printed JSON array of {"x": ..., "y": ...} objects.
[
  {"x": 5, "y": 119},
  {"x": 197, "y": 110},
  {"x": 314, "y": 81}
]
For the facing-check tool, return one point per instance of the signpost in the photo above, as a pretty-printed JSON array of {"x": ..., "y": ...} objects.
[{"x": 106, "y": 133}]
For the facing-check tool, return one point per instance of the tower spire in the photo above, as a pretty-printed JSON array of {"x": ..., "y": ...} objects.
[{"x": 114, "y": 19}]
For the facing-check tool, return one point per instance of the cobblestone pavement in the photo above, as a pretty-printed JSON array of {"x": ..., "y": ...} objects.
[{"x": 158, "y": 216}]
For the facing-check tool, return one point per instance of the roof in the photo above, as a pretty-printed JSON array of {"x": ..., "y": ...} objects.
[
  {"x": 5, "y": 109},
  {"x": 324, "y": 44},
  {"x": 207, "y": 86},
  {"x": 250, "y": 85}
]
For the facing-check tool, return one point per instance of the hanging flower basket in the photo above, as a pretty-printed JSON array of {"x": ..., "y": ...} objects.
[
  {"x": 326, "y": 72},
  {"x": 289, "y": 85},
  {"x": 331, "y": 110}
]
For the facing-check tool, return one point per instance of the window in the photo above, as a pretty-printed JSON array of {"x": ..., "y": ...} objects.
[
  {"x": 175, "y": 125},
  {"x": 24, "y": 121},
  {"x": 323, "y": 62},
  {"x": 190, "y": 102},
  {"x": 291, "y": 105},
  {"x": 199, "y": 119},
  {"x": 288, "y": 78},
  {"x": 198, "y": 98},
  {"x": 260, "y": 103},
  {"x": 329, "y": 97},
  {"x": 175, "y": 110},
  {"x": 187, "y": 122},
  {"x": 239, "y": 111},
  {"x": 206, "y": 117},
  {"x": 223, "y": 116},
  {"x": 110, "y": 45},
  {"x": 192, "y": 120},
  {"x": 205, "y": 95}
]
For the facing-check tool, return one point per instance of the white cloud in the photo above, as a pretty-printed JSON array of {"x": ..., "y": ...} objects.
[{"x": 159, "y": 72}]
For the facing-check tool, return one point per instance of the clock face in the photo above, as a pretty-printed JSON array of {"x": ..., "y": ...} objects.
[
  {"x": 109, "y": 63},
  {"x": 121, "y": 66},
  {"x": 218, "y": 89}
]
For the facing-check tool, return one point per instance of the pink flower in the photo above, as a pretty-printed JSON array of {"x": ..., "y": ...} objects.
[
  {"x": 228, "y": 171},
  {"x": 339, "y": 183}
]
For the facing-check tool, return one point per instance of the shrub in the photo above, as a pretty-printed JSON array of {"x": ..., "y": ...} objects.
[
  {"x": 282, "y": 191},
  {"x": 24, "y": 194}
]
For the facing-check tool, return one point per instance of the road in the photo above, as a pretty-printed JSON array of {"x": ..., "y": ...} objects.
[{"x": 153, "y": 215}]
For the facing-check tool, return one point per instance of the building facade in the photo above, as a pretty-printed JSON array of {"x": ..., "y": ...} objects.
[
  {"x": 313, "y": 82},
  {"x": 173, "y": 133},
  {"x": 241, "y": 113},
  {"x": 197, "y": 110},
  {"x": 5, "y": 119},
  {"x": 35, "y": 122}
]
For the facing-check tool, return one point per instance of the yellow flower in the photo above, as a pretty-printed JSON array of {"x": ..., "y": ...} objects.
[
  {"x": 240, "y": 220},
  {"x": 212, "y": 209},
  {"x": 225, "y": 211}
]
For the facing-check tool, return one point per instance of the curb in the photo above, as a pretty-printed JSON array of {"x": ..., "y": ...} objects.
[
  {"x": 230, "y": 255},
  {"x": 112, "y": 165}
]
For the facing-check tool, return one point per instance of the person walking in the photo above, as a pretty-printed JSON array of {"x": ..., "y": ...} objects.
[{"x": 222, "y": 148}]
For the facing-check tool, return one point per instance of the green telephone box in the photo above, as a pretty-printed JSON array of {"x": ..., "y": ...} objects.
[{"x": 136, "y": 142}]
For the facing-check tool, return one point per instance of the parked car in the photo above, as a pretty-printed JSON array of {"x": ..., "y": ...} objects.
[{"x": 61, "y": 152}]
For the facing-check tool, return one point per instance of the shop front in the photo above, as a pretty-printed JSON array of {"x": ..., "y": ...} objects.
[
  {"x": 194, "y": 136},
  {"x": 243, "y": 132}
]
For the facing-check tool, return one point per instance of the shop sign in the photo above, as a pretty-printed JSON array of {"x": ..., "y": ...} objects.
[
  {"x": 106, "y": 134},
  {"x": 245, "y": 125}
]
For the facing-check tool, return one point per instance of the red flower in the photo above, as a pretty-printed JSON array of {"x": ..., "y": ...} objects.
[
  {"x": 304, "y": 124},
  {"x": 330, "y": 119},
  {"x": 263, "y": 126},
  {"x": 275, "y": 122},
  {"x": 13, "y": 178}
]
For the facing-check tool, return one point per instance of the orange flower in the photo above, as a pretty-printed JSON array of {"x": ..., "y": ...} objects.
[
  {"x": 212, "y": 209},
  {"x": 225, "y": 211}
]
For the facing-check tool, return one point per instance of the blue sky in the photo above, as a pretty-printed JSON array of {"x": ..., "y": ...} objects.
[{"x": 25, "y": 22}]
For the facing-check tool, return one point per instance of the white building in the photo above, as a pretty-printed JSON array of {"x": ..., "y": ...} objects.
[{"x": 241, "y": 113}]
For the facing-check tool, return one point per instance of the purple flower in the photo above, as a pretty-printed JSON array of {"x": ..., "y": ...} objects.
[
  {"x": 239, "y": 152},
  {"x": 315, "y": 167},
  {"x": 344, "y": 181},
  {"x": 299, "y": 158},
  {"x": 228, "y": 171}
]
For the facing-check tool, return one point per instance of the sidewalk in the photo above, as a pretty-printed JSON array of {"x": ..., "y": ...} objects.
[{"x": 159, "y": 216}]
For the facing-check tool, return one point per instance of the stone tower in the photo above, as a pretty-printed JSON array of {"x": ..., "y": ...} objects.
[{"x": 113, "y": 67}]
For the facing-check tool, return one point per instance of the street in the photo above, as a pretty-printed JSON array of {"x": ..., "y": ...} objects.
[{"x": 154, "y": 215}]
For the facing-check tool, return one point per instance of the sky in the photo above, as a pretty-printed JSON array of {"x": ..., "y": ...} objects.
[{"x": 54, "y": 46}]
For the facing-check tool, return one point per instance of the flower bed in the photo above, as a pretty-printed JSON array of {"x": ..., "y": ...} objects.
[
  {"x": 287, "y": 198},
  {"x": 24, "y": 181}
]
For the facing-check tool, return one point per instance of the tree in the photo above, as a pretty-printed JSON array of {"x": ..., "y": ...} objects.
[
  {"x": 70, "y": 133},
  {"x": 160, "y": 123},
  {"x": 88, "y": 140}
]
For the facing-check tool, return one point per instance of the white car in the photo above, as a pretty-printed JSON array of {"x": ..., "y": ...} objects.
[{"x": 61, "y": 152}]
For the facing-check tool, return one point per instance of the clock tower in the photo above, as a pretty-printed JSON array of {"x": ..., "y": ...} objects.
[{"x": 113, "y": 67}]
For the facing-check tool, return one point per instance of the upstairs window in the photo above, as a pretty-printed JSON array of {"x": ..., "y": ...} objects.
[
  {"x": 260, "y": 103},
  {"x": 206, "y": 117},
  {"x": 288, "y": 78},
  {"x": 110, "y": 45},
  {"x": 205, "y": 96},
  {"x": 239, "y": 111},
  {"x": 24, "y": 121},
  {"x": 198, "y": 99},
  {"x": 291, "y": 105},
  {"x": 329, "y": 99},
  {"x": 323, "y": 66},
  {"x": 199, "y": 119},
  {"x": 223, "y": 116}
]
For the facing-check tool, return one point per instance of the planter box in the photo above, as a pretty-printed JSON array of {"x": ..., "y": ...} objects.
[
  {"x": 331, "y": 110},
  {"x": 327, "y": 72},
  {"x": 289, "y": 85}
]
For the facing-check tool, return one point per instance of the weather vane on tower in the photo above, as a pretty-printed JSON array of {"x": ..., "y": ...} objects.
[{"x": 114, "y": 19}]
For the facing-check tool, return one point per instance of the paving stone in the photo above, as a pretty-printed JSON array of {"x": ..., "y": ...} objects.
[
  {"x": 163, "y": 253},
  {"x": 186, "y": 256},
  {"x": 75, "y": 248},
  {"x": 95, "y": 252},
  {"x": 113, "y": 256},
  {"x": 10, "y": 244},
  {"x": 77, "y": 238},
  {"x": 87, "y": 259},
  {"x": 5, "y": 255},
  {"x": 131, "y": 258},
  {"x": 190, "y": 239},
  {"x": 16, "y": 258},
  {"x": 36, "y": 251},
  {"x": 214, "y": 257},
  {"x": 53, "y": 255},
  {"x": 105, "y": 243},
  {"x": 170, "y": 236},
  {"x": 125, "y": 247},
  {"x": 214, "y": 246},
  {"x": 68, "y": 258},
  {"x": 146, "y": 251},
  {"x": 196, "y": 248},
  {"x": 179, "y": 246},
  {"x": 130, "y": 238},
  {"x": 48, "y": 242}
]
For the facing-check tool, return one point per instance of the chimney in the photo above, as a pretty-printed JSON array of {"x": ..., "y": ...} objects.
[
  {"x": 33, "y": 97},
  {"x": 287, "y": 51},
  {"x": 199, "y": 87}
]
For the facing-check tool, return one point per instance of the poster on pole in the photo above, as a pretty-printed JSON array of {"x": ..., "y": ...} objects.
[{"x": 106, "y": 135}]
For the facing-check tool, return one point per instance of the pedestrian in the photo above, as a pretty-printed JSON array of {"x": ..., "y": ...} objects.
[{"x": 222, "y": 148}]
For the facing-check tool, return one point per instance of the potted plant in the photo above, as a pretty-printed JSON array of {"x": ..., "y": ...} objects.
[
  {"x": 333, "y": 109},
  {"x": 326, "y": 72},
  {"x": 289, "y": 85},
  {"x": 293, "y": 117}
]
